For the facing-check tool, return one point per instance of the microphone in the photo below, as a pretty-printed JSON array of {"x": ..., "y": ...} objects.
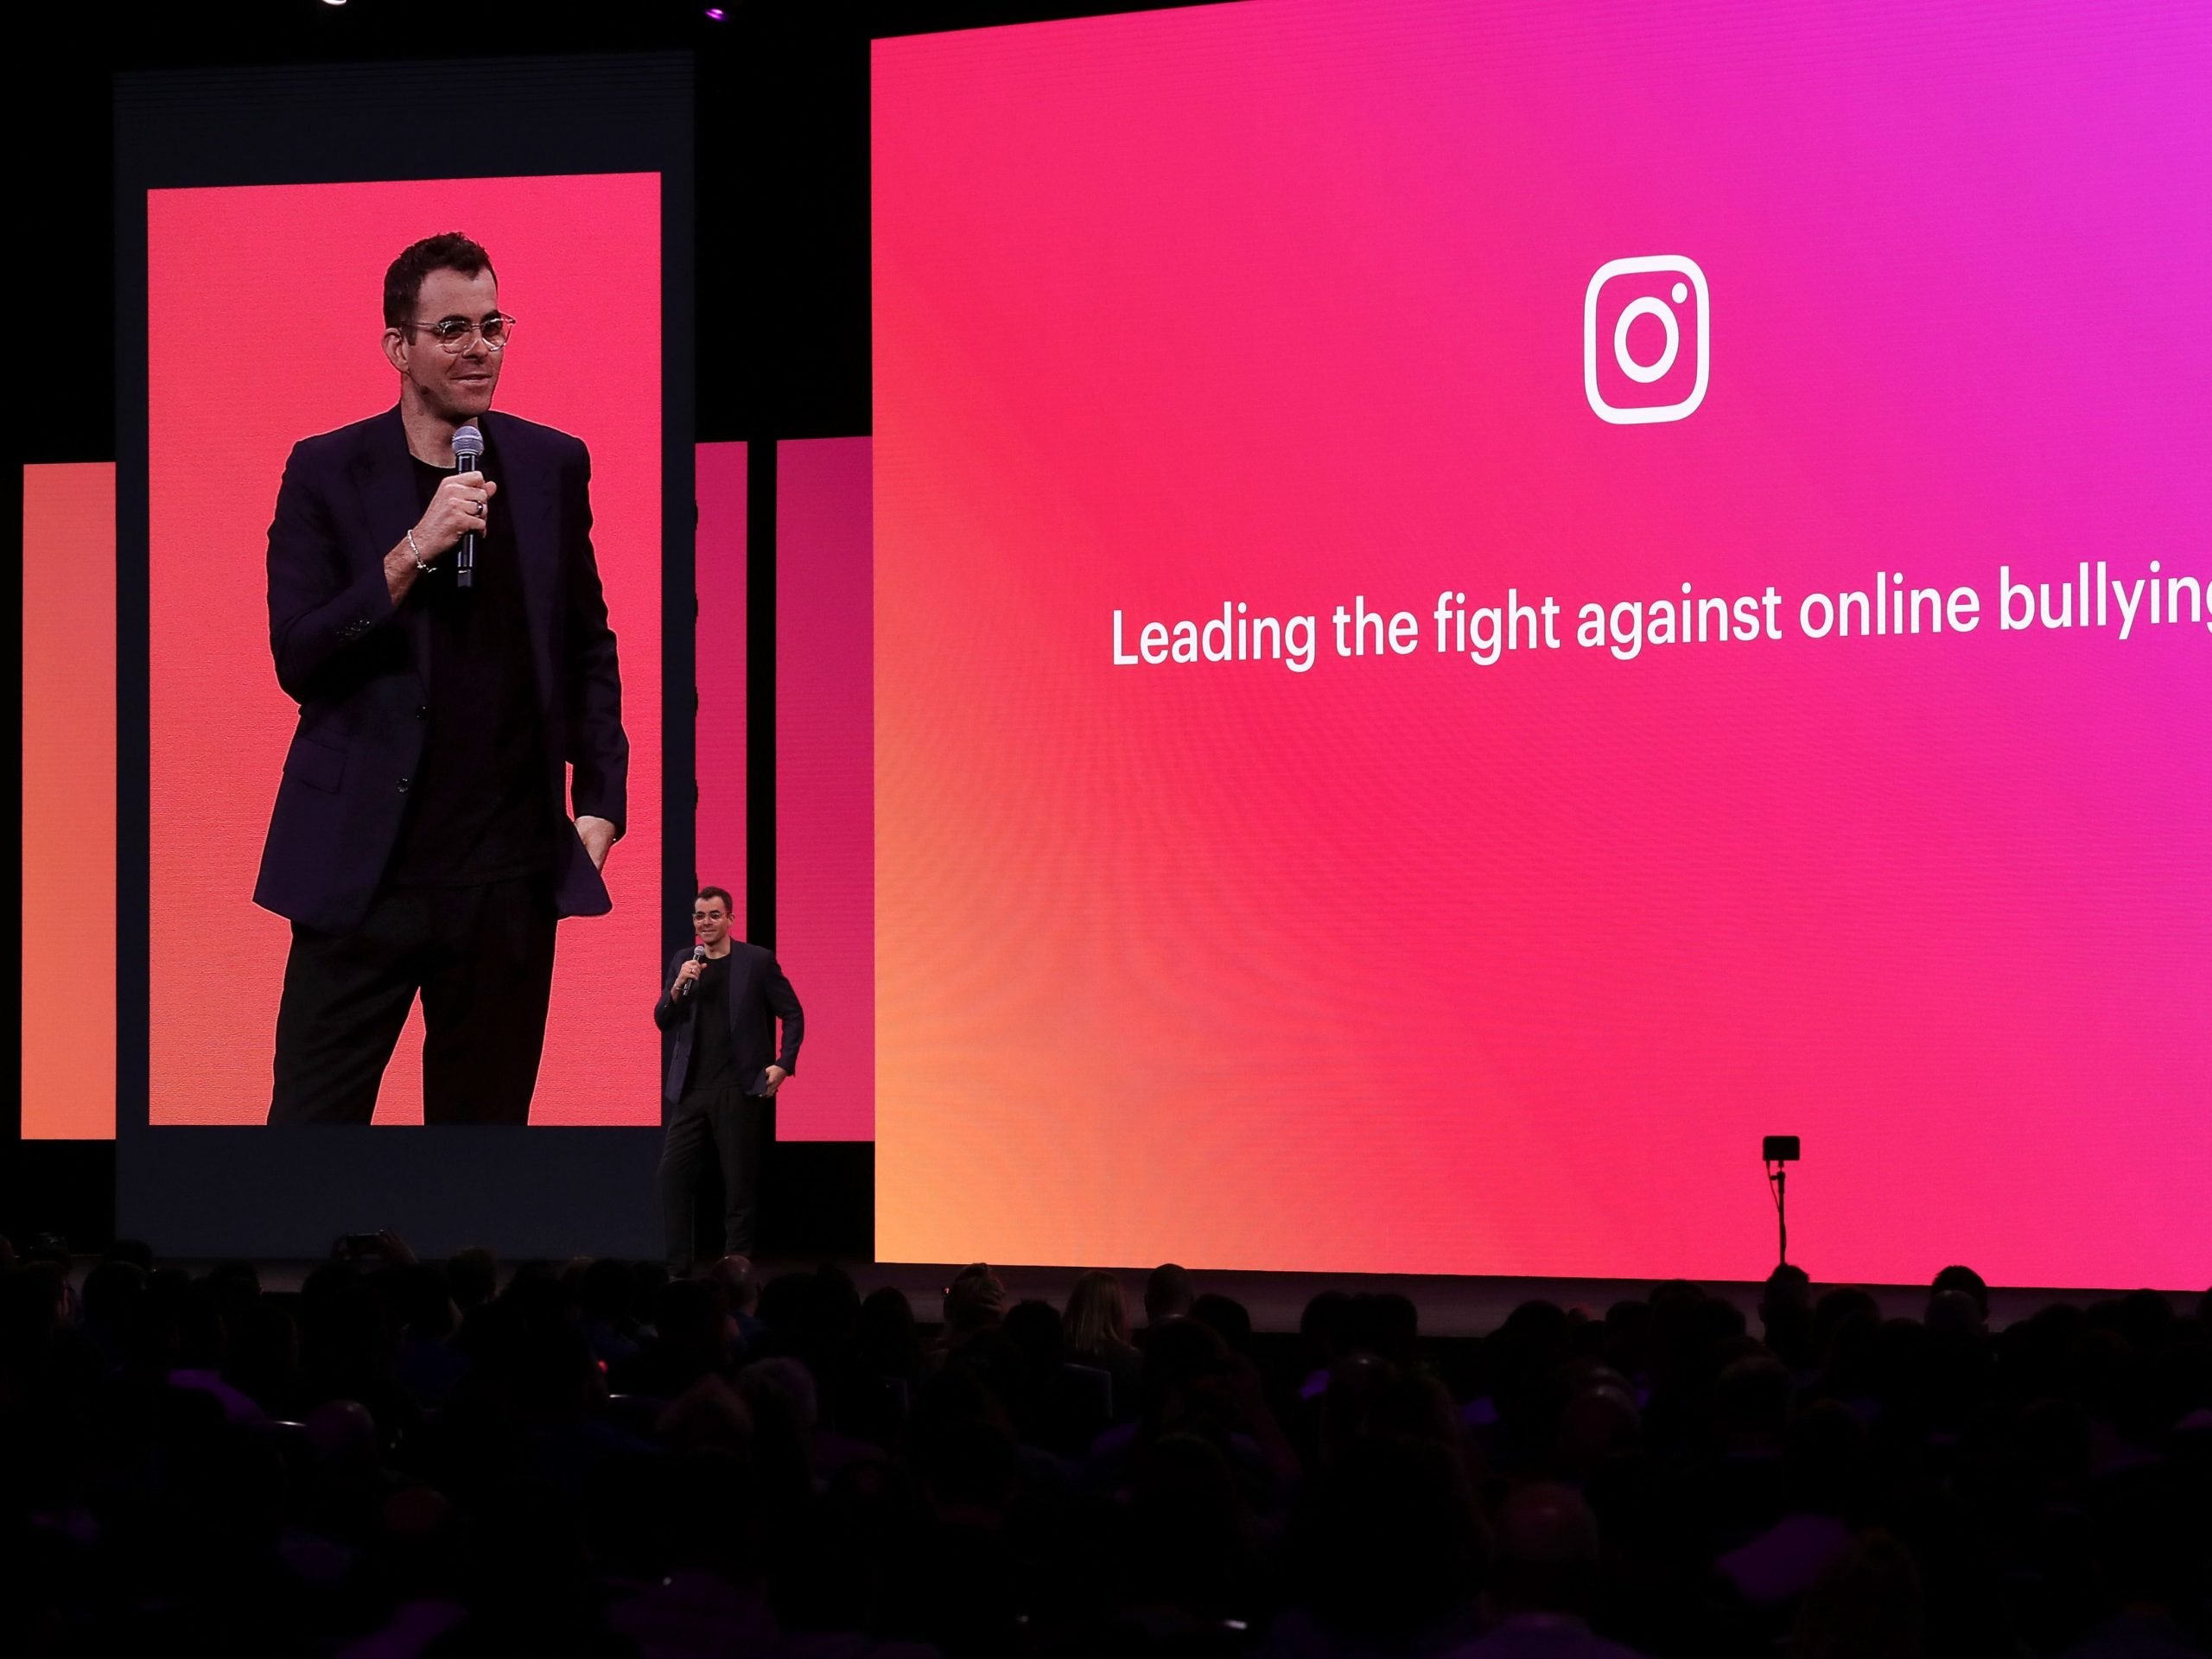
[
  {"x": 467, "y": 451},
  {"x": 699, "y": 954}
]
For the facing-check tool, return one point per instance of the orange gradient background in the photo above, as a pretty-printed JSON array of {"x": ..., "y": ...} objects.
[
  {"x": 68, "y": 804},
  {"x": 263, "y": 318}
]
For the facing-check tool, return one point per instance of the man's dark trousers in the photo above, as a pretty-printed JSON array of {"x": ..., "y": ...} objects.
[
  {"x": 482, "y": 958},
  {"x": 724, "y": 1036},
  {"x": 742, "y": 1128}
]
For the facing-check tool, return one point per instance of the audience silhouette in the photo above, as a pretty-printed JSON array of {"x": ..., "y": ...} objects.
[{"x": 412, "y": 1458}]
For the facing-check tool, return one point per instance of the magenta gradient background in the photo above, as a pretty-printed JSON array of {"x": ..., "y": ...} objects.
[
  {"x": 718, "y": 639},
  {"x": 825, "y": 866},
  {"x": 1412, "y": 965}
]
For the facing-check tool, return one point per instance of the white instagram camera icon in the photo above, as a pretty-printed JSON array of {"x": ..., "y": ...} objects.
[{"x": 1644, "y": 373}]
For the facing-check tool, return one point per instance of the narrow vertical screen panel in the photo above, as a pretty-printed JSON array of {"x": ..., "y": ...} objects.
[
  {"x": 825, "y": 824},
  {"x": 68, "y": 803},
  {"x": 578, "y": 259},
  {"x": 719, "y": 634}
]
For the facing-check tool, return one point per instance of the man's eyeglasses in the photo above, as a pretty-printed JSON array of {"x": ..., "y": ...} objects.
[{"x": 454, "y": 332}]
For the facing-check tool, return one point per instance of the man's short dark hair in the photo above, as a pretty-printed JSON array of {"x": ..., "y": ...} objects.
[
  {"x": 403, "y": 283},
  {"x": 729, "y": 904},
  {"x": 1167, "y": 1292},
  {"x": 1965, "y": 1280}
]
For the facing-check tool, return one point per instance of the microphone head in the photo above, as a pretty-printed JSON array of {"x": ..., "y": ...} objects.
[
  {"x": 468, "y": 445},
  {"x": 698, "y": 953}
]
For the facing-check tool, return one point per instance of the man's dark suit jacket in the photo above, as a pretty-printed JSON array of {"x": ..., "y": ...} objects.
[
  {"x": 359, "y": 666},
  {"x": 759, "y": 996}
]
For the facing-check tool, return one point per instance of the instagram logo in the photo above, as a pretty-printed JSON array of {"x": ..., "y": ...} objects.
[{"x": 1649, "y": 372}]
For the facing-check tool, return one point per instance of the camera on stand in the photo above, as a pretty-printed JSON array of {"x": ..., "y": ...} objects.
[{"x": 1778, "y": 1151}]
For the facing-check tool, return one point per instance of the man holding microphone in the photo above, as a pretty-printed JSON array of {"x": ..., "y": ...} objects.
[
  {"x": 459, "y": 770},
  {"x": 723, "y": 1000}
]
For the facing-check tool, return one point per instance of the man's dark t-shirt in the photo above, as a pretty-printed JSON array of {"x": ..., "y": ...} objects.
[
  {"x": 713, "y": 1064},
  {"x": 476, "y": 806}
]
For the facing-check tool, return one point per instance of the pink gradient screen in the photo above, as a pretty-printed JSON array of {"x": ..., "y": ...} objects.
[
  {"x": 264, "y": 317},
  {"x": 825, "y": 863},
  {"x": 718, "y": 640},
  {"x": 1436, "y": 957}
]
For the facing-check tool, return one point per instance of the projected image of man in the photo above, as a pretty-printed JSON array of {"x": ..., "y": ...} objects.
[{"x": 444, "y": 632}]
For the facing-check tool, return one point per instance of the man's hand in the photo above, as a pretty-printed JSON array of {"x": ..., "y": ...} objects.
[
  {"x": 775, "y": 1074},
  {"x": 460, "y": 506},
  {"x": 463, "y": 503},
  {"x": 684, "y": 976},
  {"x": 598, "y": 835}
]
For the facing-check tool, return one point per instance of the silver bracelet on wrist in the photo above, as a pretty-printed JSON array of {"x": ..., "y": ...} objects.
[{"x": 415, "y": 553}]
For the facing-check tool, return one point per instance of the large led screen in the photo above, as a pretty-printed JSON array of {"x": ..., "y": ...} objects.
[
  {"x": 264, "y": 328},
  {"x": 1476, "y": 607}
]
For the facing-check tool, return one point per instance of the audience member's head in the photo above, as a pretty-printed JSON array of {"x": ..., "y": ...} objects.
[
  {"x": 1383, "y": 1324},
  {"x": 647, "y": 1279},
  {"x": 1788, "y": 1290},
  {"x": 1866, "y": 1604},
  {"x": 2152, "y": 1536},
  {"x": 963, "y": 1452},
  {"x": 1954, "y": 1316},
  {"x": 472, "y": 1277},
  {"x": 780, "y": 1385},
  {"x": 603, "y": 1292},
  {"x": 1824, "y": 1459},
  {"x": 1845, "y": 1322},
  {"x": 1167, "y": 1294},
  {"x": 735, "y": 1275},
  {"x": 137, "y": 1252},
  {"x": 1189, "y": 1527},
  {"x": 1097, "y": 1315},
  {"x": 1786, "y": 1315},
  {"x": 1546, "y": 1549},
  {"x": 692, "y": 1329},
  {"x": 30, "y": 1314},
  {"x": 236, "y": 1286},
  {"x": 974, "y": 1301},
  {"x": 1628, "y": 1332},
  {"x": 1965, "y": 1280},
  {"x": 1230, "y": 1320},
  {"x": 886, "y": 1340},
  {"x": 1750, "y": 1402},
  {"x": 1600, "y": 1421},
  {"x": 1322, "y": 1328},
  {"x": 1182, "y": 1360},
  {"x": 1036, "y": 1330},
  {"x": 114, "y": 1291},
  {"x": 1391, "y": 1545},
  {"x": 420, "y": 1297},
  {"x": 1788, "y": 1286}
]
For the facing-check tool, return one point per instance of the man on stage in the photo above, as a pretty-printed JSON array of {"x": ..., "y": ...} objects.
[
  {"x": 722, "y": 1003},
  {"x": 421, "y": 841}
]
